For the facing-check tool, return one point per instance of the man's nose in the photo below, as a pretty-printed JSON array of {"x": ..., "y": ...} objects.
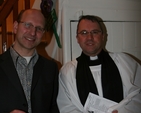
[
  {"x": 90, "y": 35},
  {"x": 33, "y": 31}
]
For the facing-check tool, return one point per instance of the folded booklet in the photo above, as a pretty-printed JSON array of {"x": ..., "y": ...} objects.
[{"x": 97, "y": 104}]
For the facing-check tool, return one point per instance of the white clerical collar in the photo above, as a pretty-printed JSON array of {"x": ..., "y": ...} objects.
[{"x": 93, "y": 58}]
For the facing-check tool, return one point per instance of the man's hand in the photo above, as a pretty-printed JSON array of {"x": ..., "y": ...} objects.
[
  {"x": 17, "y": 111},
  {"x": 115, "y": 111}
]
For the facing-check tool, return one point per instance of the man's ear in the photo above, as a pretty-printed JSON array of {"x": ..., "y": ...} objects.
[
  {"x": 77, "y": 38},
  {"x": 15, "y": 27},
  {"x": 103, "y": 36}
]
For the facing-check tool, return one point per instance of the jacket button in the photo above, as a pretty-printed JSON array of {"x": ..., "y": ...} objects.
[{"x": 24, "y": 105}]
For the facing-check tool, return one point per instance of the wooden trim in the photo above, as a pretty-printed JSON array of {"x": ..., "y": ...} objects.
[
  {"x": 4, "y": 38},
  {"x": 27, "y": 4},
  {"x": 0, "y": 44},
  {"x": 3, "y": 3},
  {"x": 8, "y": 33},
  {"x": 15, "y": 11},
  {"x": 5, "y": 11},
  {"x": 7, "y": 7}
]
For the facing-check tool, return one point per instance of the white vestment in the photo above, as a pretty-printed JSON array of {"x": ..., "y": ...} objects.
[{"x": 130, "y": 71}]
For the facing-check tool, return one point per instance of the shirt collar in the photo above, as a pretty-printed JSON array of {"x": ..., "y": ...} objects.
[{"x": 15, "y": 55}]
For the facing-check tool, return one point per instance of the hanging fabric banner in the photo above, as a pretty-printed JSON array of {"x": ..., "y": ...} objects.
[{"x": 51, "y": 18}]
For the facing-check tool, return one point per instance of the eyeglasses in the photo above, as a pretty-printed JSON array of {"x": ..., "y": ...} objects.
[
  {"x": 30, "y": 26},
  {"x": 85, "y": 33}
]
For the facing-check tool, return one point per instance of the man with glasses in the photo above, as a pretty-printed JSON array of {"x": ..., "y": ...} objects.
[
  {"x": 28, "y": 81},
  {"x": 114, "y": 76}
]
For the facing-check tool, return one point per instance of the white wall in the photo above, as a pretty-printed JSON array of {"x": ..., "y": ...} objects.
[
  {"x": 123, "y": 32},
  {"x": 123, "y": 23}
]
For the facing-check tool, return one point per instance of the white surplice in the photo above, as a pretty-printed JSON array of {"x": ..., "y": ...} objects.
[{"x": 130, "y": 71}]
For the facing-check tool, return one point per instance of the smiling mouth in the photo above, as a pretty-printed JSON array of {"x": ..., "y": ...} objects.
[
  {"x": 30, "y": 39},
  {"x": 89, "y": 44}
]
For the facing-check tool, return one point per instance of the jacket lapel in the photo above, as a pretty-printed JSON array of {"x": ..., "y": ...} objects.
[
  {"x": 8, "y": 67},
  {"x": 37, "y": 72}
]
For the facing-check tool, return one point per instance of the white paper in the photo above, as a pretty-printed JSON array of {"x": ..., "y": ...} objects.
[
  {"x": 124, "y": 101},
  {"x": 97, "y": 104}
]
